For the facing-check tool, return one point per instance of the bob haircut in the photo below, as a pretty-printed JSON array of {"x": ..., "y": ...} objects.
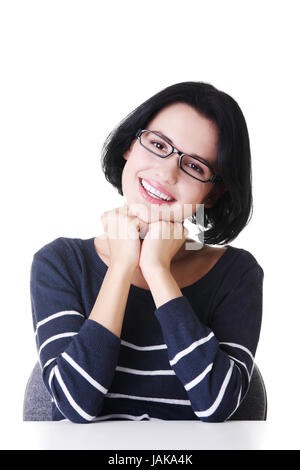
[{"x": 233, "y": 210}]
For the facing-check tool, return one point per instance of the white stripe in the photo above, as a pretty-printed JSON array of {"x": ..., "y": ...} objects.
[
  {"x": 53, "y": 338},
  {"x": 143, "y": 348},
  {"x": 53, "y": 398},
  {"x": 235, "y": 345},
  {"x": 243, "y": 364},
  {"x": 237, "y": 405},
  {"x": 238, "y": 400},
  {"x": 145, "y": 372},
  {"x": 252, "y": 369},
  {"x": 56, "y": 315},
  {"x": 159, "y": 400},
  {"x": 84, "y": 374},
  {"x": 49, "y": 362},
  {"x": 198, "y": 379},
  {"x": 50, "y": 380},
  {"x": 69, "y": 397},
  {"x": 193, "y": 346},
  {"x": 131, "y": 417},
  {"x": 214, "y": 406}
]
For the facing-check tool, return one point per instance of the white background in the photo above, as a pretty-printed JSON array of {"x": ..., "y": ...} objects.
[{"x": 70, "y": 71}]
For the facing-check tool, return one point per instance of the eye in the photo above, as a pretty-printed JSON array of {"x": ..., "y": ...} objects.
[
  {"x": 158, "y": 145},
  {"x": 198, "y": 168}
]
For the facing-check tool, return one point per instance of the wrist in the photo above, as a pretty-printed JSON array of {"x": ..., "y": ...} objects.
[
  {"x": 122, "y": 269},
  {"x": 155, "y": 270}
]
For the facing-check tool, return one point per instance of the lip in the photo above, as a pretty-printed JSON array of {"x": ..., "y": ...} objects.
[
  {"x": 152, "y": 199},
  {"x": 159, "y": 188}
]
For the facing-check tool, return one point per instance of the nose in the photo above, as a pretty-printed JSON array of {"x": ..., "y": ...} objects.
[{"x": 168, "y": 168}]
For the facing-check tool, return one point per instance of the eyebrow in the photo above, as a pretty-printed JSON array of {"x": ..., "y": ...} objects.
[{"x": 191, "y": 154}]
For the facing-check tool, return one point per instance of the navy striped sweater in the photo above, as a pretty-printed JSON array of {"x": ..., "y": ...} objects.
[{"x": 190, "y": 359}]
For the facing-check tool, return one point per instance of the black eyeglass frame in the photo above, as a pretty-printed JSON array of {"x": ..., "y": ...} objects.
[{"x": 214, "y": 179}]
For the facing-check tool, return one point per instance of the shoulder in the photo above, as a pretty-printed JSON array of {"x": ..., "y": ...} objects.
[
  {"x": 61, "y": 247},
  {"x": 58, "y": 245},
  {"x": 244, "y": 259},
  {"x": 62, "y": 256},
  {"x": 240, "y": 275},
  {"x": 242, "y": 267},
  {"x": 235, "y": 263},
  {"x": 237, "y": 258}
]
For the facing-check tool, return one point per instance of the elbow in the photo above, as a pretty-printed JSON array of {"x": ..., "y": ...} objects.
[
  {"x": 221, "y": 405},
  {"x": 214, "y": 418},
  {"x": 76, "y": 408},
  {"x": 77, "y": 416},
  {"x": 77, "y": 419},
  {"x": 217, "y": 414}
]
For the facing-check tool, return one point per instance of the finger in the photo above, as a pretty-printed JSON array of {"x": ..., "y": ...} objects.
[
  {"x": 103, "y": 219},
  {"x": 132, "y": 211},
  {"x": 103, "y": 236},
  {"x": 141, "y": 227},
  {"x": 139, "y": 211},
  {"x": 181, "y": 230},
  {"x": 103, "y": 215},
  {"x": 121, "y": 209},
  {"x": 135, "y": 221}
]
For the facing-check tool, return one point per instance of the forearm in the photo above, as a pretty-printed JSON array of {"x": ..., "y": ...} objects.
[
  {"x": 110, "y": 304},
  {"x": 162, "y": 285}
]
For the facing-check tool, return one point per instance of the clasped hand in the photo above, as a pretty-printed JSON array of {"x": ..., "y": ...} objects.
[{"x": 161, "y": 240}]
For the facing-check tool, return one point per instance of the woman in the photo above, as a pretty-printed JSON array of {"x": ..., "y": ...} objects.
[{"x": 134, "y": 324}]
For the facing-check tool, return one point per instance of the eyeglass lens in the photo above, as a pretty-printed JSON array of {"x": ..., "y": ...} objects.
[{"x": 190, "y": 165}]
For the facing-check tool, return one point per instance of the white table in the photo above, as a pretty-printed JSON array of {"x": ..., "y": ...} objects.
[{"x": 153, "y": 434}]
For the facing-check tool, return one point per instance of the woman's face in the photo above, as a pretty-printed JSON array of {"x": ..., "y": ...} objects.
[{"x": 190, "y": 133}]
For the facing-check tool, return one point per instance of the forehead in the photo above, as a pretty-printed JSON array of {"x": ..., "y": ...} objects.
[{"x": 189, "y": 130}]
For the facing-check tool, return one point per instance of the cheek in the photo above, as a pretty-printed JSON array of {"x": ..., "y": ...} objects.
[
  {"x": 191, "y": 204},
  {"x": 128, "y": 170},
  {"x": 133, "y": 165}
]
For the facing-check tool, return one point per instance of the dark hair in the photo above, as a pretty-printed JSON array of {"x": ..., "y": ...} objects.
[{"x": 233, "y": 210}]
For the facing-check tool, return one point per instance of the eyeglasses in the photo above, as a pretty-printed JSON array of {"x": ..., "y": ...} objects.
[{"x": 193, "y": 166}]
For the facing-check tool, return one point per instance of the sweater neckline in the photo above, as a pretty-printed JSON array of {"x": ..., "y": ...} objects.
[{"x": 102, "y": 267}]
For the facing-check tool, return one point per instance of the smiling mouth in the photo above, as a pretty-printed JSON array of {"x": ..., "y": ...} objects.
[{"x": 154, "y": 193}]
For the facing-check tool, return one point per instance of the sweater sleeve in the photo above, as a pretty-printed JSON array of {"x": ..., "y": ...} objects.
[
  {"x": 215, "y": 364},
  {"x": 78, "y": 356}
]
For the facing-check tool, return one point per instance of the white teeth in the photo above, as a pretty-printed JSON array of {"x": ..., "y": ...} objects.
[{"x": 155, "y": 191}]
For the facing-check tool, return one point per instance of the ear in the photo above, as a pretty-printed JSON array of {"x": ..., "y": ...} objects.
[{"x": 214, "y": 195}]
